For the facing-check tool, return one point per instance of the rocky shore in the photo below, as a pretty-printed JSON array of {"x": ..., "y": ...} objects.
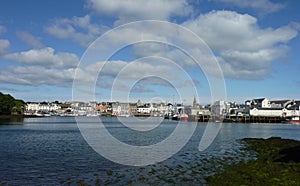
[{"x": 277, "y": 163}]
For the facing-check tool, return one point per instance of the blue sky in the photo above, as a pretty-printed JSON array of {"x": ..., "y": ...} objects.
[{"x": 256, "y": 44}]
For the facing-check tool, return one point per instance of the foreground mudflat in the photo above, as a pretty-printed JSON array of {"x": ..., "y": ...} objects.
[{"x": 277, "y": 163}]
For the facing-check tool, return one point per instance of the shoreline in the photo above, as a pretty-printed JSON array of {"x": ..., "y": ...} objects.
[
  {"x": 16, "y": 116},
  {"x": 191, "y": 119},
  {"x": 277, "y": 163}
]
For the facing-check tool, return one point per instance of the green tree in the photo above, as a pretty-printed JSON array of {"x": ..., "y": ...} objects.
[
  {"x": 9, "y": 104},
  {"x": 19, "y": 106}
]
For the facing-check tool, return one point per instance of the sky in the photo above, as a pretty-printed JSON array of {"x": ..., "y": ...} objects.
[{"x": 108, "y": 50}]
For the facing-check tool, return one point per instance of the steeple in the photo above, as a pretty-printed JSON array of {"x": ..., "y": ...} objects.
[
  {"x": 139, "y": 103},
  {"x": 195, "y": 102}
]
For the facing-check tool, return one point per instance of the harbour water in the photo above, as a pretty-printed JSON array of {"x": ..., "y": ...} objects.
[{"x": 51, "y": 151}]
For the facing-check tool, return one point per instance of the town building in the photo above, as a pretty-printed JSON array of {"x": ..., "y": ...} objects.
[
  {"x": 277, "y": 108},
  {"x": 120, "y": 109}
]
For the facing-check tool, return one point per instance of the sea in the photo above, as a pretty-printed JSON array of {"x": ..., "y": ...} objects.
[{"x": 53, "y": 151}]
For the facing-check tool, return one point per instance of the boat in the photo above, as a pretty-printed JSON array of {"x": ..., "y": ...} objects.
[
  {"x": 184, "y": 117},
  {"x": 295, "y": 120},
  {"x": 175, "y": 117},
  {"x": 167, "y": 117}
]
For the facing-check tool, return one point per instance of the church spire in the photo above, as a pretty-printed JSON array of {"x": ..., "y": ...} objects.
[{"x": 195, "y": 102}]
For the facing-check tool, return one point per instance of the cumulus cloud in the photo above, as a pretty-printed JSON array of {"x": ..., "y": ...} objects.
[
  {"x": 262, "y": 6},
  {"x": 37, "y": 75},
  {"x": 228, "y": 29},
  {"x": 132, "y": 10},
  {"x": 122, "y": 70},
  {"x": 78, "y": 29},
  {"x": 142, "y": 75},
  {"x": 44, "y": 57},
  {"x": 118, "y": 76},
  {"x": 245, "y": 50},
  {"x": 32, "y": 41}
]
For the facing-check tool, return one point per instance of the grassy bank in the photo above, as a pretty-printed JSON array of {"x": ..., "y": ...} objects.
[{"x": 277, "y": 163}]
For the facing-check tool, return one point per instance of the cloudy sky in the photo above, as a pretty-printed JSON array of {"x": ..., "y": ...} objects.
[{"x": 45, "y": 45}]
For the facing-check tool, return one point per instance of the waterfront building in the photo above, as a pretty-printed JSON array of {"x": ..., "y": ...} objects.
[
  {"x": 164, "y": 108},
  {"x": 204, "y": 111},
  {"x": 219, "y": 108},
  {"x": 46, "y": 107},
  {"x": 143, "y": 110},
  {"x": 191, "y": 110},
  {"x": 54, "y": 107},
  {"x": 101, "y": 108},
  {"x": 282, "y": 103},
  {"x": 258, "y": 103},
  {"x": 32, "y": 106},
  {"x": 277, "y": 108},
  {"x": 120, "y": 109},
  {"x": 132, "y": 108},
  {"x": 274, "y": 112},
  {"x": 194, "y": 109}
]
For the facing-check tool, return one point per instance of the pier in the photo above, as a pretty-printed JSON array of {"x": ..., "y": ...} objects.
[
  {"x": 238, "y": 119},
  {"x": 255, "y": 119}
]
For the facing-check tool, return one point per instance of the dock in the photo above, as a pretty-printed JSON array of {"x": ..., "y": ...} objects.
[{"x": 238, "y": 119}]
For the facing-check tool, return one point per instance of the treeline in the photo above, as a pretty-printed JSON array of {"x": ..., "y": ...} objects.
[{"x": 9, "y": 105}]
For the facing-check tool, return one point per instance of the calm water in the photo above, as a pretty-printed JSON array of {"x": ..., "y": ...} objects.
[{"x": 51, "y": 151}]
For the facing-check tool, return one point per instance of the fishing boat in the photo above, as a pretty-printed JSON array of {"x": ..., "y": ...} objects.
[
  {"x": 184, "y": 117},
  {"x": 295, "y": 120},
  {"x": 175, "y": 117}
]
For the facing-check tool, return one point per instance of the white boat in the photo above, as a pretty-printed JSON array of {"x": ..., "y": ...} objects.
[
  {"x": 184, "y": 117},
  {"x": 295, "y": 120}
]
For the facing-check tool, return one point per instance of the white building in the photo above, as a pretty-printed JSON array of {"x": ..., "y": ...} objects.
[
  {"x": 219, "y": 107},
  {"x": 32, "y": 106},
  {"x": 46, "y": 107},
  {"x": 259, "y": 103},
  {"x": 143, "y": 110},
  {"x": 54, "y": 107},
  {"x": 121, "y": 109},
  {"x": 273, "y": 112}
]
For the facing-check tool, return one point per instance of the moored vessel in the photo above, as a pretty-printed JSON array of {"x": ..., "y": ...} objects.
[{"x": 295, "y": 120}]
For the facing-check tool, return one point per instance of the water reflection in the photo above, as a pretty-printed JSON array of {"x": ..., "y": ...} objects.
[{"x": 11, "y": 120}]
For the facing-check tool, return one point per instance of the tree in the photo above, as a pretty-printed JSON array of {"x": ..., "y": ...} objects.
[
  {"x": 9, "y": 104},
  {"x": 19, "y": 106}
]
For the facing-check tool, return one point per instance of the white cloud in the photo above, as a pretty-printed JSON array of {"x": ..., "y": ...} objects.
[
  {"x": 119, "y": 77},
  {"x": 37, "y": 75},
  {"x": 121, "y": 71},
  {"x": 79, "y": 29},
  {"x": 44, "y": 57},
  {"x": 125, "y": 70},
  {"x": 30, "y": 39},
  {"x": 4, "y": 46},
  {"x": 131, "y": 10},
  {"x": 263, "y": 6},
  {"x": 142, "y": 75},
  {"x": 227, "y": 29},
  {"x": 246, "y": 51}
]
